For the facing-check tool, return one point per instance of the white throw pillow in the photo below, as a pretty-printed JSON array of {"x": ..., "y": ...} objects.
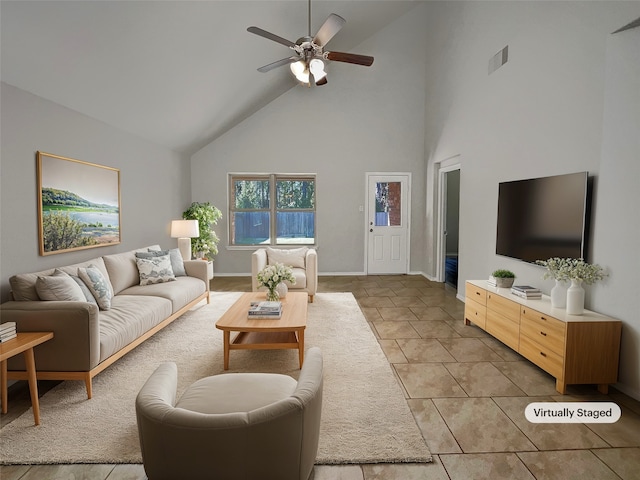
[
  {"x": 294, "y": 257},
  {"x": 59, "y": 286},
  {"x": 98, "y": 285},
  {"x": 156, "y": 269}
]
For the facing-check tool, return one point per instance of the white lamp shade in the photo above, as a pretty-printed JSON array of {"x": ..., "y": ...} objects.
[{"x": 185, "y": 229}]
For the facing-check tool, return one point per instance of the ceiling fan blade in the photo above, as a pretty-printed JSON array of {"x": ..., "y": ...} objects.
[
  {"x": 329, "y": 28},
  {"x": 271, "y": 36},
  {"x": 349, "y": 58},
  {"x": 279, "y": 63}
]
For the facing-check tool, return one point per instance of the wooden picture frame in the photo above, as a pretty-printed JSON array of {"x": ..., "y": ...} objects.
[{"x": 78, "y": 204}]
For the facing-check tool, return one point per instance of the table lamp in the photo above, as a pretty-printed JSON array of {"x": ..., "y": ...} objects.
[{"x": 184, "y": 231}]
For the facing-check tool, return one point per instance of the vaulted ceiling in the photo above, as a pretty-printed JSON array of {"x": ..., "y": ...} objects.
[{"x": 177, "y": 73}]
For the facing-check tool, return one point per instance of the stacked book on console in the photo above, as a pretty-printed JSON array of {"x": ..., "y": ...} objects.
[
  {"x": 526, "y": 291},
  {"x": 265, "y": 310},
  {"x": 7, "y": 331}
]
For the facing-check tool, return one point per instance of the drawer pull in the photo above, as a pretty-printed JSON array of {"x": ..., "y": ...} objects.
[
  {"x": 543, "y": 354},
  {"x": 543, "y": 334},
  {"x": 543, "y": 318},
  {"x": 478, "y": 293}
]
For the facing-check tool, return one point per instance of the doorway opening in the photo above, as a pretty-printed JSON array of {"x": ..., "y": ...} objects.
[{"x": 449, "y": 224}]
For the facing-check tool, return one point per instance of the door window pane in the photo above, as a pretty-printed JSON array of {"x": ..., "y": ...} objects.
[{"x": 388, "y": 204}]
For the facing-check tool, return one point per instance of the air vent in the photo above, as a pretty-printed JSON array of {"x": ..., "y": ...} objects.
[{"x": 498, "y": 59}]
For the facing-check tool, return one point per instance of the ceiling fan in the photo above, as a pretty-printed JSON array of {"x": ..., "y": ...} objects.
[{"x": 307, "y": 61}]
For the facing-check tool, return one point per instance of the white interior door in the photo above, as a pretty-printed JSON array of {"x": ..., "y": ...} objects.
[{"x": 388, "y": 223}]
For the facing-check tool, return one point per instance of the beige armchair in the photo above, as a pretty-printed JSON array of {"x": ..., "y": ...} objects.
[
  {"x": 304, "y": 263},
  {"x": 231, "y": 426}
]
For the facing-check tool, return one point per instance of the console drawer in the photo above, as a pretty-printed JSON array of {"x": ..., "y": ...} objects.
[
  {"x": 503, "y": 305},
  {"x": 475, "y": 312},
  {"x": 477, "y": 294},
  {"x": 549, "y": 361},
  {"x": 545, "y": 330},
  {"x": 503, "y": 328}
]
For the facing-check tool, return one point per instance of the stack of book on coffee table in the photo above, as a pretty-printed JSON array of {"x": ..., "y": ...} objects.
[
  {"x": 265, "y": 310},
  {"x": 7, "y": 331},
  {"x": 526, "y": 291}
]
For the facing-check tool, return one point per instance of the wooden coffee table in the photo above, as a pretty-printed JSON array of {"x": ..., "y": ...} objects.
[{"x": 265, "y": 334}]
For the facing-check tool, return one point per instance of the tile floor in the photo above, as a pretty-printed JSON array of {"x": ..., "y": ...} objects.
[{"x": 467, "y": 392}]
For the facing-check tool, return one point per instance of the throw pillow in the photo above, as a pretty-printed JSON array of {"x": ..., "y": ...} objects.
[
  {"x": 59, "y": 286},
  {"x": 156, "y": 269},
  {"x": 177, "y": 264},
  {"x": 294, "y": 257},
  {"x": 98, "y": 285},
  {"x": 85, "y": 290}
]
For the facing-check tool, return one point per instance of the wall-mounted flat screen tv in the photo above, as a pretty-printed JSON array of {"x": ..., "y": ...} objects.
[{"x": 541, "y": 218}]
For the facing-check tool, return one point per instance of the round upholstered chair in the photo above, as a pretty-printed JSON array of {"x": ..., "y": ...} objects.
[{"x": 231, "y": 426}]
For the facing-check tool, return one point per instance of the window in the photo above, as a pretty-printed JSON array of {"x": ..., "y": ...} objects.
[{"x": 272, "y": 209}]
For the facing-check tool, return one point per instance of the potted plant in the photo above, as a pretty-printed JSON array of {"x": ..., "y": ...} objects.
[
  {"x": 502, "y": 278},
  {"x": 204, "y": 246}
]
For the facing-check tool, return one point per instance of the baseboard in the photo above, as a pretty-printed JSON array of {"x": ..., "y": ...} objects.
[{"x": 627, "y": 391}]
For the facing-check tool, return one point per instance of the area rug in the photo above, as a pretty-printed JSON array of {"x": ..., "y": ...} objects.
[{"x": 365, "y": 417}]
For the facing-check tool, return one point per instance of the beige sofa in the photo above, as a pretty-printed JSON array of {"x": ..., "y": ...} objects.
[
  {"x": 87, "y": 337},
  {"x": 233, "y": 426},
  {"x": 304, "y": 263}
]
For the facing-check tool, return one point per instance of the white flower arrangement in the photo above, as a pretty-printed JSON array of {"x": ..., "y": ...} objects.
[
  {"x": 572, "y": 269},
  {"x": 272, "y": 275}
]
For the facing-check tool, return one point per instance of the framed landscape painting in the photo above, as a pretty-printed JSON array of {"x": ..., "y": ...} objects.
[{"x": 78, "y": 204}]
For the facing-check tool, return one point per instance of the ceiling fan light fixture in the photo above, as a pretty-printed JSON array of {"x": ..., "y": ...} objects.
[
  {"x": 300, "y": 70},
  {"x": 317, "y": 70}
]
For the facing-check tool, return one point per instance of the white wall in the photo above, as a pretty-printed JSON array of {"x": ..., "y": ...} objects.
[
  {"x": 556, "y": 107},
  {"x": 616, "y": 239},
  {"x": 364, "y": 120},
  {"x": 154, "y": 181}
]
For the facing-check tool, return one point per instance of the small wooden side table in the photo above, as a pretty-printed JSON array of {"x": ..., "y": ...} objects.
[{"x": 23, "y": 343}]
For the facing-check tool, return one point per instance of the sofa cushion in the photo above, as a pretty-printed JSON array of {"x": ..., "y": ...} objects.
[
  {"x": 59, "y": 286},
  {"x": 180, "y": 292},
  {"x": 122, "y": 270},
  {"x": 293, "y": 257},
  {"x": 129, "y": 318},
  {"x": 23, "y": 286},
  {"x": 236, "y": 392},
  {"x": 98, "y": 284},
  {"x": 300, "y": 274},
  {"x": 156, "y": 269}
]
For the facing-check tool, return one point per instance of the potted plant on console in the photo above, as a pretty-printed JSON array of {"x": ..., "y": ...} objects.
[
  {"x": 502, "y": 278},
  {"x": 204, "y": 246}
]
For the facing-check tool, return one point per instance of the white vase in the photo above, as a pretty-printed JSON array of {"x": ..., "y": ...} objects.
[
  {"x": 559, "y": 294},
  {"x": 575, "y": 298},
  {"x": 282, "y": 289}
]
